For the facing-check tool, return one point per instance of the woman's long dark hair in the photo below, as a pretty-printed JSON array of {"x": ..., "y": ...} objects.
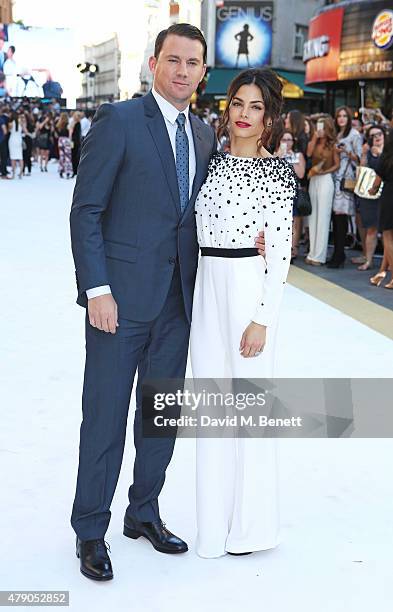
[
  {"x": 386, "y": 159},
  {"x": 276, "y": 134},
  {"x": 348, "y": 127},
  {"x": 296, "y": 122},
  {"x": 270, "y": 87}
]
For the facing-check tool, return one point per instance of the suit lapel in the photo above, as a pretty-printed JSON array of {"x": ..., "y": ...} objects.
[{"x": 156, "y": 125}]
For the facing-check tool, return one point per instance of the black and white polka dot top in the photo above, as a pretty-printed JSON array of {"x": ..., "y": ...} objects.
[{"x": 240, "y": 197}]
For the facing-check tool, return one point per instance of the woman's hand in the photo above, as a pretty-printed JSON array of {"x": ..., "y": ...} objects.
[
  {"x": 314, "y": 171},
  {"x": 253, "y": 340}
]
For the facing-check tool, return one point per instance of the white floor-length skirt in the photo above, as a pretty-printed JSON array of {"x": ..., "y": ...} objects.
[
  {"x": 237, "y": 480},
  {"x": 321, "y": 192}
]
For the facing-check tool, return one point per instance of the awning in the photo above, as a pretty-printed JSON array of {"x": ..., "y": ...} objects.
[
  {"x": 294, "y": 86},
  {"x": 296, "y": 80},
  {"x": 219, "y": 79}
]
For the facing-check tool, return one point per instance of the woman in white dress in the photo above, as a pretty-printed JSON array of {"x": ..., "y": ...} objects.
[
  {"x": 235, "y": 312},
  {"x": 17, "y": 127}
]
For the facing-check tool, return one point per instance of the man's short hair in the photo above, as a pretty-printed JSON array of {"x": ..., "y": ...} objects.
[{"x": 181, "y": 29}]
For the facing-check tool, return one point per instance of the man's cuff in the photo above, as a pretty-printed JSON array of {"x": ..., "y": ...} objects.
[{"x": 97, "y": 291}]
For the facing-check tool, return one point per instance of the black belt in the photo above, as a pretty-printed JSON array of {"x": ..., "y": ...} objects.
[{"x": 213, "y": 252}]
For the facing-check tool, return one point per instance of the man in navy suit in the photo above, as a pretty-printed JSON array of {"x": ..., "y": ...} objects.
[{"x": 135, "y": 251}]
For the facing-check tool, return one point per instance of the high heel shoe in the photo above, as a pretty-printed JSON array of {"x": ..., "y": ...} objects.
[
  {"x": 389, "y": 285},
  {"x": 377, "y": 279}
]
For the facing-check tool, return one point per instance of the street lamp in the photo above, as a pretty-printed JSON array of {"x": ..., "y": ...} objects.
[
  {"x": 362, "y": 85},
  {"x": 91, "y": 71}
]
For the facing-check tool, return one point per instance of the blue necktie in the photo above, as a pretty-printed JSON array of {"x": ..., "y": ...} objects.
[{"x": 182, "y": 161}]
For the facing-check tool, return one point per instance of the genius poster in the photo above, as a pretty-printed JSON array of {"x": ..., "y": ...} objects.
[{"x": 243, "y": 34}]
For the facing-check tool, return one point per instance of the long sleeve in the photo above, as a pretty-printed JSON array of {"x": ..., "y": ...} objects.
[
  {"x": 357, "y": 145},
  {"x": 277, "y": 205},
  {"x": 101, "y": 158}
]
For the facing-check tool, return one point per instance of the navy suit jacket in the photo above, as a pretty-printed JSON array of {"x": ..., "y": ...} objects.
[{"x": 127, "y": 229}]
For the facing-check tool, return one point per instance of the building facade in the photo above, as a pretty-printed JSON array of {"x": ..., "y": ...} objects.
[
  {"x": 272, "y": 33},
  {"x": 123, "y": 59},
  {"x": 350, "y": 52},
  {"x": 104, "y": 85}
]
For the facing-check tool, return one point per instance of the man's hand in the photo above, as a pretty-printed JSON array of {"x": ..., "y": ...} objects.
[
  {"x": 103, "y": 313},
  {"x": 260, "y": 243},
  {"x": 253, "y": 340}
]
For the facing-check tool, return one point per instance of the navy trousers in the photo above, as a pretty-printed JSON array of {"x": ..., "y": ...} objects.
[{"x": 157, "y": 349}]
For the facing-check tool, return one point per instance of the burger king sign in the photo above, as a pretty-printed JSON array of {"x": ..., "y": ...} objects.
[{"x": 382, "y": 32}]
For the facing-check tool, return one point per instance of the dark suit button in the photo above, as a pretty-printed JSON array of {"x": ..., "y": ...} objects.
[{"x": 172, "y": 260}]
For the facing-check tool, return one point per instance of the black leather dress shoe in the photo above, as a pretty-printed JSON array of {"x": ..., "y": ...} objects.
[
  {"x": 94, "y": 558},
  {"x": 161, "y": 538}
]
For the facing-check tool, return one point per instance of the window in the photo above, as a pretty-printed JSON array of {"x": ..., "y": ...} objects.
[{"x": 301, "y": 32}]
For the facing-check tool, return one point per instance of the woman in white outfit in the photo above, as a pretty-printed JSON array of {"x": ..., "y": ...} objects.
[
  {"x": 235, "y": 311},
  {"x": 17, "y": 127},
  {"x": 325, "y": 161}
]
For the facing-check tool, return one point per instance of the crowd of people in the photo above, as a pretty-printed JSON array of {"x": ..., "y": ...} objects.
[
  {"x": 326, "y": 153},
  {"x": 31, "y": 132}
]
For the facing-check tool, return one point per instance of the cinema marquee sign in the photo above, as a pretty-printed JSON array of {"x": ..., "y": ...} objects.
[
  {"x": 368, "y": 68},
  {"x": 316, "y": 47},
  {"x": 350, "y": 42}
]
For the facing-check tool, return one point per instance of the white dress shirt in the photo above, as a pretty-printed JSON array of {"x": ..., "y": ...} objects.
[
  {"x": 170, "y": 114},
  {"x": 85, "y": 126}
]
